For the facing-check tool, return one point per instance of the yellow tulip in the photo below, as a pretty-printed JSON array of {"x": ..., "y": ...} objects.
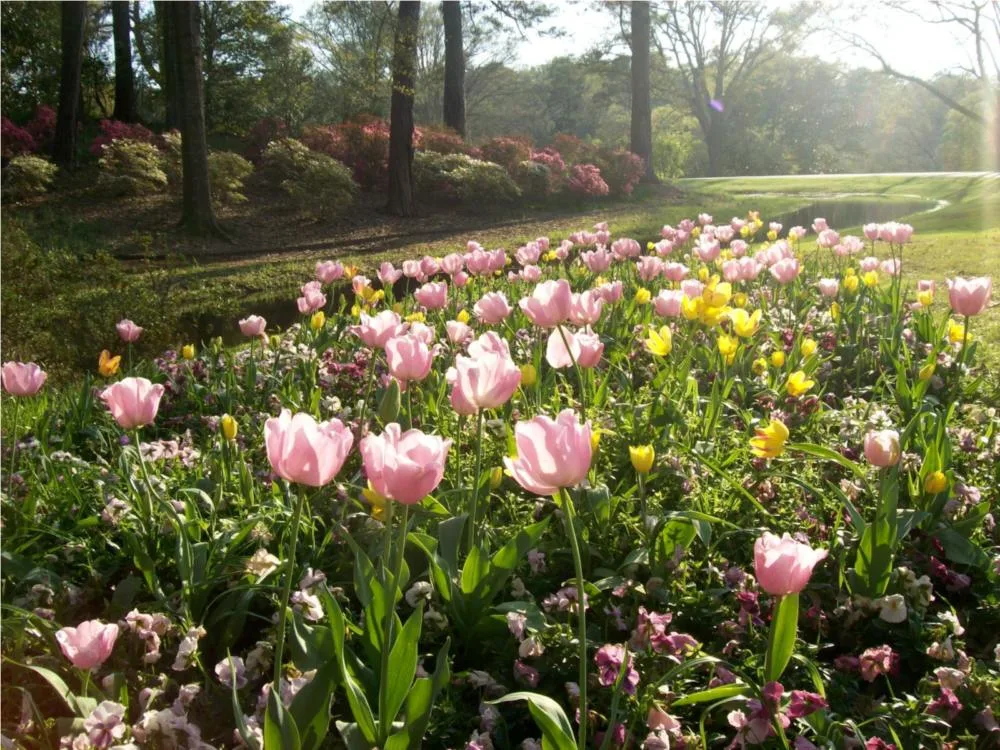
[
  {"x": 740, "y": 299},
  {"x": 798, "y": 383},
  {"x": 772, "y": 235},
  {"x": 808, "y": 347},
  {"x": 660, "y": 342},
  {"x": 759, "y": 366},
  {"x": 642, "y": 296},
  {"x": 463, "y": 316},
  {"x": 642, "y": 457},
  {"x": 529, "y": 376},
  {"x": 712, "y": 316},
  {"x": 356, "y": 310},
  {"x": 870, "y": 278},
  {"x": 703, "y": 274},
  {"x": 927, "y": 371},
  {"x": 956, "y": 332},
  {"x": 850, "y": 272},
  {"x": 696, "y": 232},
  {"x": 835, "y": 312},
  {"x": 745, "y": 325},
  {"x": 728, "y": 346},
  {"x": 935, "y": 482},
  {"x": 769, "y": 441},
  {"x": 716, "y": 294},
  {"x": 650, "y": 246},
  {"x": 378, "y": 502},
  {"x": 925, "y": 298},
  {"x": 229, "y": 427},
  {"x": 745, "y": 231},
  {"x": 398, "y": 308},
  {"x": 851, "y": 283},
  {"x": 595, "y": 439},
  {"x": 417, "y": 317},
  {"x": 318, "y": 320},
  {"x": 187, "y": 351},
  {"x": 692, "y": 308},
  {"x": 108, "y": 365},
  {"x": 778, "y": 358}
]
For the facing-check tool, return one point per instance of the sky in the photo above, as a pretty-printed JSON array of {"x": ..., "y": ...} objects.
[{"x": 908, "y": 44}]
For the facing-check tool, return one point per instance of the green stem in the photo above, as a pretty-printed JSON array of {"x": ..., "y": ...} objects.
[
  {"x": 570, "y": 514},
  {"x": 642, "y": 500},
  {"x": 13, "y": 446},
  {"x": 579, "y": 370},
  {"x": 279, "y": 647},
  {"x": 368, "y": 394},
  {"x": 474, "y": 506},
  {"x": 388, "y": 623}
]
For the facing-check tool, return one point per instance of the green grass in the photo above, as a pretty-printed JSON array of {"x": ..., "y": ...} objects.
[{"x": 184, "y": 295}]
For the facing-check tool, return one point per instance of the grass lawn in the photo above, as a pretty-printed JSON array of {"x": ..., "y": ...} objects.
[{"x": 191, "y": 298}]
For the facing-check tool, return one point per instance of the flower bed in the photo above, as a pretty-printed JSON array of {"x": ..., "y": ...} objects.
[{"x": 732, "y": 487}]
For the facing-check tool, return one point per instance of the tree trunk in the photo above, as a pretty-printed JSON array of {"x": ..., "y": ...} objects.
[
  {"x": 124, "y": 87},
  {"x": 74, "y": 16},
  {"x": 198, "y": 216},
  {"x": 454, "y": 67},
  {"x": 714, "y": 144},
  {"x": 169, "y": 72},
  {"x": 642, "y": 112},
  {"x": 404, "y": 63}
]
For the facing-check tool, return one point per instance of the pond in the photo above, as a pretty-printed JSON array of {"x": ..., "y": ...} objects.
[{"x": 855, "y": 210}]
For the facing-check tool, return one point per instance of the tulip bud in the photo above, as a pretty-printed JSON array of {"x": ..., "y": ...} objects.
[
  {"x": 778, "y": 358},
  {"x": 529, "y": 376},
  {"x": 935, "y": 482},
  {"x": 318, "y": 320},
  {"x": 275, "y": 341},
  {"x": 388, "y": 408},
  {"x": 835, "y": 312},
  {"x": 702, "y": 274},
  {"x": 642, "y": 457},
  {"x": 808, "y": 347},
  {"x": 882, "y": 448},
  {"x": 642, "y": 296},
  {"x": 229, "y": 427},
  {"x": 463, "y": 316},
  {"x": 759, "y": 366},
  {"x": 595, "y": 439},
  {"x": 926, "y": 372},
  {"x": 187, "y": 351},
  {"x": 496, "y": 477}
]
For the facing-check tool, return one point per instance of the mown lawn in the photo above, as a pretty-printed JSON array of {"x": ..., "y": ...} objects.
[{"x": 180, "y": 298}]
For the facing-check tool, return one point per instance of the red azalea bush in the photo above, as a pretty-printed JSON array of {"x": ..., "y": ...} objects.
[
  {"x": 574, "y": 150},
  {"x": 586, "y": 180},
  {"x": 507, "y": 151},
  {"x": 15, "y": 139},
  {"x": 621, "y": 169},
  {"x": 116, "y": 130},
  {"x": 42, "y": 126},
  {"x": 266, "y": 129},
  {"x": 441, "y": 140},
  {"x": 553, "y": 160},
  {"x": 362, "y": 144}
]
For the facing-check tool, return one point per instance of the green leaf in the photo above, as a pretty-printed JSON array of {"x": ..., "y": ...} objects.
[
  {"x": 556, "y": 730},
  {"x": 712, "y": 694},
  {"x": 311, "y": 707},
  {"x": 960, "y": 550},
  {"x": 360, "y": 709},
  {"x": 781, "y": 639},
  {"x": 475, "y": 568},
  {"x": 80, "y": 705},
  {"x": 280, "y": 732},
  {"x": 450, "y": 539},
  {"x": 248, "y": 737},
  {"x": 402, "y": 668},
  {"x": 419, "y": 704},
  {"x": 831, "y": 455},
  {"x": 388, "y": 407}
]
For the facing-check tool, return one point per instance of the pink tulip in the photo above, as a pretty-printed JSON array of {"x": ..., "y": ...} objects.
[
  {"x": 782, "y": 565},
  {"x": 626, "y": 248},
  {"x": 531, "y": 273},
  {"x": 329, "y": 271},
  {"x": 668, "y": 303},
  {"x": 543, "y": 243},
  {"x": 785, "y": 271},
  {"x": 611, "y": 291},
  {"x": 311, "y": 301},
  {"x": 253, "y": 326},
  {"x": 731, "y": 270},
  {"x": 528, "y": 254},
  {"x": 433, "y": 295},
  {"x": 926, "y": 285},
  {"x": 868, "y": 264},
  {"x": 819, "y": 225},
  {"x": 409, "y": 358},
  {"x": 774, "y": 227},
  {"x": 852, "y": 244},
  {"x": 478, "y": 262},
  {"x": 591, "y": 348},
  {"x": 585, "y": 308},
  {"x": 829, "y": 287},
  {"x": 882, "y": 448},
  {"x": 429, "y": 265},
  {"x": 736, "y": 224},
  {"x": 306, "y": 452},
  {"x": 423, "y": 332},
  {"x": 724, "y": 234},
  {"x": 969, "y": 296},
  {"x": 686, "y": 225},
  {"x": 597, "y": 261},
  {"x": 562, "y": 349},
  {"x": 551, "y": 454},
  {"x": 667, "y": 232},
  {"x": 460, "y": 279},
  {"x": 663, "y": 248},
  {"x": 22, "y": 378},
  {"x": 870, "y": 231},
  {"x": 601, "y": 237},
  {"x": 675, "y": 271},
  {"x": 489, "y": 342},
  {"x": 413, "y": 270},
  {"x": 707, "y": 250},
  {"x": 452, "y": 263},
  {"x": 89, "y": 644},
  {"x": 388, "y": 274},
  {"x": 493, "y": 308},
  {"x": 891, "y": 266},
  {"x": 649, "y": 267},
  {"x": 738, "y": 248},
  {"x": 681, "y": 237},
  {"x": 498, "y": 259},
  {"x": 458, "y": 332},
  {"x": 749, "y": 269},
  {"x": 128, "y": 331},
  {"x": 472, "y": 246},
  {"x": 133, "y": 402},
  {"x": 484, "y": 382},
  {"x": 827, "y": 238},
  {"x": 796, "y": 233},
  {"x": 374, "y": 331},
  {"x": 404, "y": 466},
  {"x": 549, "y": 303},
  {"x": 901, "y": 233},
  {"x": 704, "y": 219},
  {"x": 692, "y": 288}
]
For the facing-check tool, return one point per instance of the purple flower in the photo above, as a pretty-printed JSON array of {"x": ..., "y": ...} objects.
[
  {"x": 609, "y": 659},
  {"x": 526, "y": 674},
  {"x": 946, "y": 705},
  {"x": 802, "y": 703}
]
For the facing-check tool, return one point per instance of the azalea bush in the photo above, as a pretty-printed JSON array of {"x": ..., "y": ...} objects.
[
  {"x": 129, "y": 167},
  {"x": 731, "y": 486},
  {"x": 462, "y": 178},
  {"x": 27, "y": 175},
  {"x": 316, "y": 182}
]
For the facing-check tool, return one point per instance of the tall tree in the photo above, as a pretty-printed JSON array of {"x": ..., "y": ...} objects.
[
  {"x": 169, "y": 68},
  {"x": 404, "y": 62},
  {"x": 716, "y": 47},
  {"x": 73, "y": 23},
  {"x": 184, "y": 23},
  {"x": 124, "y": 84},
  {"x": 454, "y": 67},
  {"x": 641, "y": 141}
]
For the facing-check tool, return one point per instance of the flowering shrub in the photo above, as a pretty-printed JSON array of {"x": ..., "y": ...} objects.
[
  {"x": 27, "y": 175},
  {"x": 506, "y": 151},
  {"x": 362, "y": 144},
  {"x": 553, "y": 160},
  {"x": 462, "y": 178},
  {"x": 586, "y": 180},
  {"x": 16, "y": 140},
  {"x": 226, "y": 173},
  {"x": 264, "y": 131},
  {"x": 42, "y": 126},
  {"x": 745, "y": 492},
  {"x": 441, "y": 140},
  {"x": 621, "y": 170},
  {"x": 131, "y": 168},
  {"x": 317, "y": 183},
  {"x": 534, "y": 179},
  {"x": 574, "y": 150},
  {"x": 115, "y": 130}
]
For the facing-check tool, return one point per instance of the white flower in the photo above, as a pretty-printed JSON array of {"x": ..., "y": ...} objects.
[
  {"x": 949, "y": 678},
  {"x": 892, "y": 608},
  {"x": 420, "y": 591},
  {"x": 530, "y": 648},
  {"x": 950, "y": 619},
  {"x": 262, "y": 563}
]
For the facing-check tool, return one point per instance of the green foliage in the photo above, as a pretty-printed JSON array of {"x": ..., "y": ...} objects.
[
  {"x": 462, "y": 178},
  {"x": 226, "y": 173},
  {"x": 26, "y": 176},
  {"x": 534, "y": 179},
  {"x": 316, "y": 182},
  {"x": 131, "y": 168}
]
